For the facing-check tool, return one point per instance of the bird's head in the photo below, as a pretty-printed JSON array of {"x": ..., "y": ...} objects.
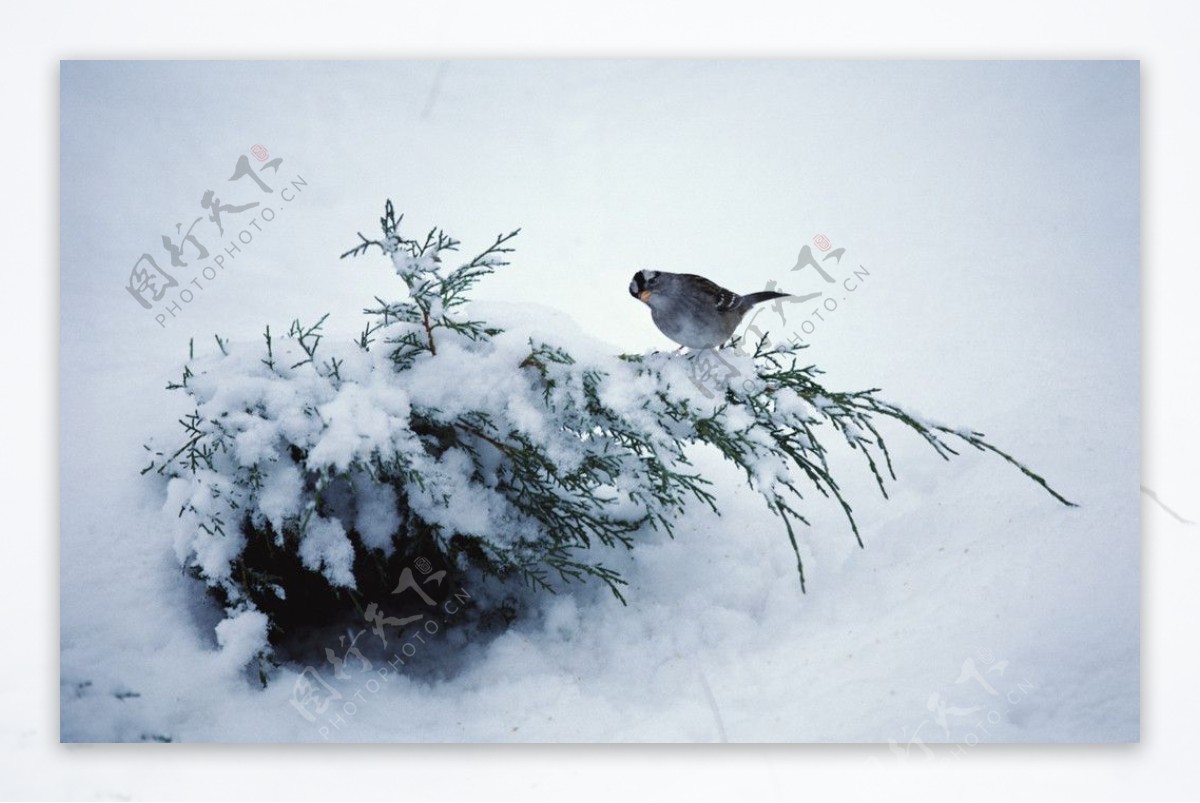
[{"x": 643, "y": 284}]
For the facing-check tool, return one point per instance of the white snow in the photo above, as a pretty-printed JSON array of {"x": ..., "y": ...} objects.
[
  {"x": 241, "y": 637},
  {"x": 190, "y": 505},
  {"x": 970, "y": 313},
  {"x": 279, "y": 499},
  {"x": 377, "y": 520},
  {"x": 325, "y": 547},
  {"x": 358, "y": 420}
]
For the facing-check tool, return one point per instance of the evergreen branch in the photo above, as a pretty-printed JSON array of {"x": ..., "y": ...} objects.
[
  {"x": 976, "y": 440},
  {"x": 428, "y": 332},
  {"x": 270, "y": 360},
  {"x": 573, "y": 456}
]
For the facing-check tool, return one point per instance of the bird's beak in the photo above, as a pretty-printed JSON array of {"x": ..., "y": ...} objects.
[{"x": 644, "y": 296}]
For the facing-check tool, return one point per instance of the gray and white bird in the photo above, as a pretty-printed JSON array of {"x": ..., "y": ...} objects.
[{"x": 692, "y": 310}]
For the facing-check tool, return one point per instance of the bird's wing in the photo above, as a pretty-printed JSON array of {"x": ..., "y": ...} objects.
[{"x": 723, "y": 300}]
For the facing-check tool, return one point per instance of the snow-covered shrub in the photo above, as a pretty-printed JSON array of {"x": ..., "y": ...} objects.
[{"x": 312, "y": 473}]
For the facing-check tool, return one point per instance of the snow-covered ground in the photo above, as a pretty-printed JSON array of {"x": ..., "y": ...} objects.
[{"x": 994, "y": 208}]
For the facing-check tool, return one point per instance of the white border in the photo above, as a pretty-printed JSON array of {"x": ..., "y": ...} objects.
[{"x": 32, "y": 763}]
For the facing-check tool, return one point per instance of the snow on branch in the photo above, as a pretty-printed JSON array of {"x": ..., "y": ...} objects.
[{"x": 310, "y": 472}]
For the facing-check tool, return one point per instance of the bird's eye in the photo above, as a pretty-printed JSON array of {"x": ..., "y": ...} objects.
[{"x": 642, "y": 280}]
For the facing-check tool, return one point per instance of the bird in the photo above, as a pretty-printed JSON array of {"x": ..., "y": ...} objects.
[{"x": 691, "y": 310}]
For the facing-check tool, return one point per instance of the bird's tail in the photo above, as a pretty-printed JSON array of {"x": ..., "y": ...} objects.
[{"x": 757, "y": 298}]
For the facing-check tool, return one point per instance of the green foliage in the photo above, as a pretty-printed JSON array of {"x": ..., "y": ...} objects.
[
  {"x": 604, "y": 458},
  {"x": 794, "y": 435}
]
